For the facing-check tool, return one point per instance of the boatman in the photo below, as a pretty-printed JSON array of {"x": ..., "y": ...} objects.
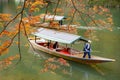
[{"x": 87, "y": 49}]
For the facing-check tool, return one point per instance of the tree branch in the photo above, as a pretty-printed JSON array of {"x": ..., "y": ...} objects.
[
  {"x": 46, "y": 12},
  {"x": 19, "y": 30},
  {"x": 72, "y": 19},
  {"x": 56, "y": 8},
  {"x": 80, "y": 12}
]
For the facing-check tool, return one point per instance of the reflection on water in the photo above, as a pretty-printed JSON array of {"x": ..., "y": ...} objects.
[
  {"x": 75, "y": 70},
  {"x": 30, "y": 66}
]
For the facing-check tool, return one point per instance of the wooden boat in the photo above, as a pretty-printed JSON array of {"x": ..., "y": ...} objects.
[
  {"x": 54, "y": 22},
  {"x": 62, "y": 51}
]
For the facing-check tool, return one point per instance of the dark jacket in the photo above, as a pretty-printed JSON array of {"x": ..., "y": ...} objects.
[
  {"x": 55, "y": 45},
  {"x": 87, "y": 47}
]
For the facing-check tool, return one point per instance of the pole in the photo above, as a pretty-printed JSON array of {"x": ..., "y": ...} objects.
[{"x": 35, "y": 39}]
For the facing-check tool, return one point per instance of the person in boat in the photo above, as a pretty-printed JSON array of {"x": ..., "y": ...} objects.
[
  {"x": 48, "y": 44},
  {"x": 87, "y": 49},
  {"x": 60, "y": 22},
  {"x": 55, "y": 45}
]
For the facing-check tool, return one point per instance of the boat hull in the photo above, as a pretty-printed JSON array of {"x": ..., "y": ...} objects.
[{"x": 94, "y": 59}]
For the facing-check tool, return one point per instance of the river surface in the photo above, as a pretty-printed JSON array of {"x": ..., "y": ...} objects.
[{"x": 31, "y": 64}]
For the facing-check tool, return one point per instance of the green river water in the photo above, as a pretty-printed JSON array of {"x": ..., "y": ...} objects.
[{"x": 31, "y": 65}]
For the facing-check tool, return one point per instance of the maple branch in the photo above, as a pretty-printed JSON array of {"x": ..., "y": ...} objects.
[
  {"x": 27, "y": 35},
  {"x": 78, "y": 12},
  {"x": 46, "y": 12},
  {"x": 18, "y": 33},
  {"x": 72, "y": 19},
  {"x": 12, "y": 39},
  {"x": 56, "y": 8},
  {"x": 19, "y": 30},
  {"x": 6, "y": 25},
  {"x": 83, "y": 13}
]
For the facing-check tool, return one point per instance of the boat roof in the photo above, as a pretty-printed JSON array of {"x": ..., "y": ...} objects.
[
  {"x": 58, "y": 36},
  {"x": 53, "y": 17}
]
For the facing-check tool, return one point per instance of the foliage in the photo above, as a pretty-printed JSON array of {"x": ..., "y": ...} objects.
[
  {"x": 76, "y": 11},
  {"x": 7, "y": 61},
  {"x": 53, "y": 64},
  {"x": 107, "y": 3}
]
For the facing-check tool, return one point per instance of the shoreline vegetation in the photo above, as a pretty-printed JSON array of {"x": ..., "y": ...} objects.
[{"x": 105, "y": 3}]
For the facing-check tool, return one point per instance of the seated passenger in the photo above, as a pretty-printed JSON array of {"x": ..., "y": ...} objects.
[
  {"x": 55, "y": 45},
  {"x": 48, "y": 44},
  {"x": 69, "y": 50}
]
